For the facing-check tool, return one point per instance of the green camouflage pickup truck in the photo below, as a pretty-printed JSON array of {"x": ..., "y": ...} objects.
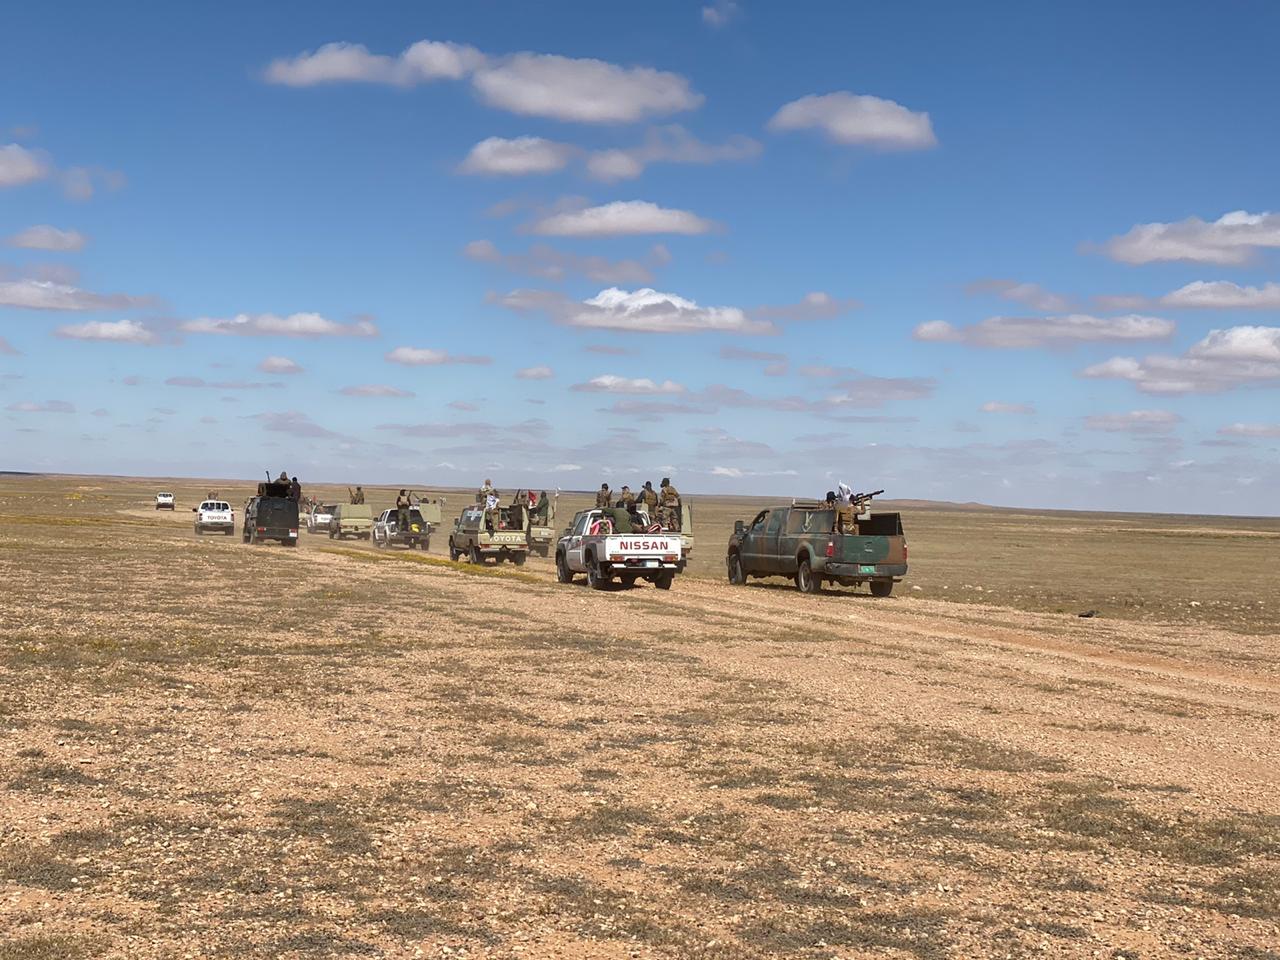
[{"x": 799, "y": 541}]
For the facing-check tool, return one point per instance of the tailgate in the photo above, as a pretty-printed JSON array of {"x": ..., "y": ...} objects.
[
  {"x": 657, "y": 546},
  {"x": 869, "y": 550}
]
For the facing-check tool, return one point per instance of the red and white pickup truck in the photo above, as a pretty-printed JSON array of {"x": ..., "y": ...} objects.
[{"x": 592, "y": 547}]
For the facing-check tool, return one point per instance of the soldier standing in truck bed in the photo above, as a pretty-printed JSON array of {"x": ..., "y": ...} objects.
[
  {"x": 649, "y": 498},
  {"x": 604, "y": 499},
  {"x": 627, "y": 499},
  {"x": 669, "y": 506}
]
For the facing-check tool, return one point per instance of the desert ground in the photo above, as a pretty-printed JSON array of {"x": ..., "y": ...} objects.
[{"x": 216, "y": 750}]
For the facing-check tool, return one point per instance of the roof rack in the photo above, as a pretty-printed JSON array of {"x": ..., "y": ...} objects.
[{"x": 809, "y": 504}]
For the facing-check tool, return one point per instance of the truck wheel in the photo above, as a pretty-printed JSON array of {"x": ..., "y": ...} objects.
[
  {"x": 476, "y": 557},
  {"x": 736, "y": 575},
  {"x": 664, "y": 580},
  {"x": 519, "y": 558},
  {"x": 229, "y": 531},
  {"x": 199, "y": 532},
  {"x": 563, "y": 573},
  {"x": 806, "y": 582},
  {"x": 628, "y": 581},
  {"x": 454, "y": 552},
  {"x": 253, "y": 536},
  {"x": 244, "y": 535},
  {"x": 596, "y": 579},
  {"x": 881, "y": 588}
]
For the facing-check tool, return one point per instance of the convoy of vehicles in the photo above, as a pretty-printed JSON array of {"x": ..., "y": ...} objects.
[
  {"x": 319, "y": 516},
  {"x": 423, "y": 519},
  {"x": 592, "y": 546},
  {"x": 351, "y": 520},
  {"x": 811, "y": 542},
  {"x": 799, "y": 541},
  {"x": 472, "y": 539},
  {"x": 214, "y": 516},
  {"x": 271, "y": 515}
]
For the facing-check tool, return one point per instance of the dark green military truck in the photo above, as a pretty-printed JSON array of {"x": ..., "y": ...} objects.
[{"x": 799, "y": 541}]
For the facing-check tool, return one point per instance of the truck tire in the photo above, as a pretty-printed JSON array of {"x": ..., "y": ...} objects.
[
  {"x": 806, "y": 582},
  {"x": 881, "y": 588},
  {"x": 596, "y": 579},
  {"x": 664, "y": 580},
  {"x": 736, "y": 575},
  {"x": 454, "y": 552},
  {"x": 519, "y": 558},
  {"x": 476, "y": 556},
  {"x": 244, "y": 534},
  {"x": 229, "y": 531},
  {"x": 253, "y": 536},
  {"x": 563, "y": 573},
  {"x": 199, "y": 532},
  {"x": 628, "y": 581},
  {"x": 332, "y": 533}
]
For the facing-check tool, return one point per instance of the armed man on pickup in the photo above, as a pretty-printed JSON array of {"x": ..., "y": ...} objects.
[
  {"x": 604, "y": 498},
  {"x": 669, "y": 506},
  {"x": 627, "y": 499}
]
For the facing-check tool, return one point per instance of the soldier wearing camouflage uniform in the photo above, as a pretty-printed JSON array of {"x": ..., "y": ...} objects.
[
  {"x": 669, "y": 506},
  {"x": 628, "y": 499},
  {"x": 604, "y": 498},
  {"x": 649, "y": 498}
]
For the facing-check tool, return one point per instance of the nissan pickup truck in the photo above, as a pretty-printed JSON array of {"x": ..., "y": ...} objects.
[
  {"x": 423, "y": 518},
  {"x": 592, "y": 546},
  {"x": 799, "y": 541},
  {"x": 471, "y": 538}
]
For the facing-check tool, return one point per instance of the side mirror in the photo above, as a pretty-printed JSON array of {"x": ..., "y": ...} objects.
[{"x": 739, "y": 526}]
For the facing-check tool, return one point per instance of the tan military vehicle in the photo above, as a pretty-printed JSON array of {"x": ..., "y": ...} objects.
[{"x": 471, "y": 537}]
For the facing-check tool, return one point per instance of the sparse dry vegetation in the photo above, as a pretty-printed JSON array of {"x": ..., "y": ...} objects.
[{"x": 222, "y": 751}]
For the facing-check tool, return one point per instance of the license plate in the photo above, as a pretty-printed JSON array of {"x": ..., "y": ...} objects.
[{"x": 867, "y": 568}]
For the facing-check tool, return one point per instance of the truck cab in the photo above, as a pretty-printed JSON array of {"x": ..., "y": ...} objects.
[{"x": 799, "y": 541}]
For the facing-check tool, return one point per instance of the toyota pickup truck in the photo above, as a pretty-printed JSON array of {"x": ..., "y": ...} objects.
[
  {"x": 799, "y": 541},
  {"x": 471, "y": 538},
  {"x": 592, "y": 546},
  {"x": 214, "y": 515}
]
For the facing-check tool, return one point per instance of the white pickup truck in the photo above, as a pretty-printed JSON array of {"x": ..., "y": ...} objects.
[{"x": 590, "y": 546}]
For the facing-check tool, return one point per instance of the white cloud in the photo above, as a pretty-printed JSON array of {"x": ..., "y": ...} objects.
[
  {"x": 49, "y": 295},
  {"x": 279, "y": 365},
  {"x": 1232, "y": 239},
  {"x": 19, "y": 166},
  {"x": 620, "y": 219},
  {"x": 859, "y": 120},
  {"x": 669, "y": 144},
  {"x": 119, "y": 331},
  {"x": 611, "y": 383},
  {"x": 566, "y": 468},
  {"x": 581, "y": 90},
  {"x": 642, "y": 311},
  {"x": 1030, "y": 294},
  {"x": 273, "y": 325},
  {"x": 1223, "y": 360},
  {"x": 45, "y": 237},
  {"x": 200, "y": 383},
  {"x": 1259, "y": 430},
  {"x": 551, "y": 264},
  {"x": 1010, "y": 333},
  {"x": 424, "y": 61},
  {"x": 296, "y": 423},
  {"x": 49, "y": 406},
  {"x": 1224, "y": 295},
  {"x": 423, "y": 357},
  {"x": 536, "y": 373},
  {"x": 374, "y": 390},
  {"x": 1135, "y": 421},
  {"x": 995, "y": 406},
  {"x": 497, "y": 156},
  {"x": 719, "y": 14}
]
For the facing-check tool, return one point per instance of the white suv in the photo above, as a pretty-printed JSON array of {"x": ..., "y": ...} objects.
[
  {"x": 215, "y": 515},
  {"x": 164, "y": 501}
]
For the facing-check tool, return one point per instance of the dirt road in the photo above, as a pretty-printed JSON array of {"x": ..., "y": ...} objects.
[{"x": 217, "y": 750}]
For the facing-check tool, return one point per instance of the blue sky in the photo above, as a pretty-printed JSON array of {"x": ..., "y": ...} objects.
[{"x": 1012, "y": 254}]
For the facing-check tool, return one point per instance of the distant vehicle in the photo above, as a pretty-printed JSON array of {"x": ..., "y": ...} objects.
[
  {"x": 351, "y": 520},
  {"x": 164, "y": 501},
  {"x": 216, "y": 516},
  {"x": 542, "y": 535},
  {"x": 471, "y": 538},
  {"x": 422, "y": 520},
  {"x": 319, "y": 517},
  {"x": 799, "y": 541},
  {"x": 591, "y": 546},
  {"x": 271, "y": 515}
]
